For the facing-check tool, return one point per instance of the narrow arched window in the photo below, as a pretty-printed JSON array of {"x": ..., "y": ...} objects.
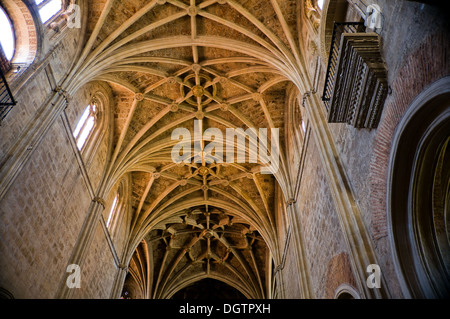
[
  {"x": 48, "y": 8},
  {"x": 300, "y": 121},
  {"x": 112, "y": 212},
  {"x": 85, "y": 125},
  {"x": 115, "y": 213}
]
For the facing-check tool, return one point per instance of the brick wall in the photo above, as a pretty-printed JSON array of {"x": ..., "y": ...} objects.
[
  {"x": 430, "y": 61},
  {"x": 42, "y": 213},
  {"x": 320, "y": 229},
  {"x": 339, "y": 272},
  {"x": 416, "y": 55}
]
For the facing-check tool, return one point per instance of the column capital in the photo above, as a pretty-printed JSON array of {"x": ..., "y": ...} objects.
[
  {"x": 123, "y": 267},
  {"x": 291, "y": 201},
  {"x": 99, "y": 200}
]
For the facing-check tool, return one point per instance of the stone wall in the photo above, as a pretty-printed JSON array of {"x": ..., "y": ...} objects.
[
  {"x": 320, "y": 228},
  {"x": 416, "y": 55},
  {"x": 44, "y": 210},
  {"x": 33, "y": 90},
  {"x": 99, "y": 270},
  {"x": 42, "y": 215},
  {"x": 291, "y": 279}
]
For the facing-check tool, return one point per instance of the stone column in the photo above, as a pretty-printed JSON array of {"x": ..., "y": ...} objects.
[
  {"x": 82, "y": 245},
  {"x": 297, "y": 241},
  {"x": 119, "y": 281}
]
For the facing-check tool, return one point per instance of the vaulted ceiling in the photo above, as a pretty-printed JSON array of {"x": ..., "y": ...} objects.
[{"x": 228, "y": 64}]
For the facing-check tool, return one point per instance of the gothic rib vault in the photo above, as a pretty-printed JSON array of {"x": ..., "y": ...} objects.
[{"x": 228, "y": 64}]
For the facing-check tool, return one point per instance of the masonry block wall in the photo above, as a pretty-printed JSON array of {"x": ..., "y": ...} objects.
[
  {"x": 319, "y": 222},
  {"x": 33, "y": 90},
  {"x": 98, "y": 271},
  {"x": 290, "y": 274},
  {"x": 38, "y": 212},
  {"x": 415, "y": 49},
  {"x": 50, "y": 201},
  {"x": 45, "y": 207},
  {"x": 43, "y": 210},
  {"x": 319, "y": 230}
]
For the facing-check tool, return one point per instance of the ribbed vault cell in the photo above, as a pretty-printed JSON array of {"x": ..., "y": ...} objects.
[
  {"x": 227, "y": 64},
  {"x": 206, "y": 244}
]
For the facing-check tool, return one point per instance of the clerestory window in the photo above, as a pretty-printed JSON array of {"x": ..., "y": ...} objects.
[
  {"x": 112, "y": 212},
  {"x": 85, "y": 125},
  {"x": 48, "y": 9},
  {"x": 115, "y": 214}
]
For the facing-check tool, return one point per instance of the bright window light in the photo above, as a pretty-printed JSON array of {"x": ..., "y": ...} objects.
[
  {"x": 85, "y": 133},
  {"x": 85, "y": 126},
  {"x": 82, "y": 121},
  {"x": 6, "y": 35},
  {"x": 48, "y": 9},
  {"x": 111, "y": 213},
  {"x": 320, "y": 4}
]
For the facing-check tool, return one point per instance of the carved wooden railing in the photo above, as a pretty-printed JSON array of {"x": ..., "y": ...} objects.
[{"x": 356, "y": 80}]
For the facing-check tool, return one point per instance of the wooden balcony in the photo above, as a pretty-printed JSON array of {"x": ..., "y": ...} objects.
[{"x": 356, "y": 86}]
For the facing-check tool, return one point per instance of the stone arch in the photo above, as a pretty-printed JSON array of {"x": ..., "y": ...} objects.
[
  {"x": 138, "y": 279},
  {"x": 100, "y": 95},
  {"x": 333, "y": 11},
  {"x": 123, "y": 206},
  {"x": 418, "y": 195},
  {"x": 339, "y": 275},
  {"x": 404, "y": 88},
  {"x": 26, "y": 30},
  {"x": 295, "y": 122},
  {"x": 345, "y": 291},
  {"x": 234, "y": 283},
  {"x": 5, "y": 294}
]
